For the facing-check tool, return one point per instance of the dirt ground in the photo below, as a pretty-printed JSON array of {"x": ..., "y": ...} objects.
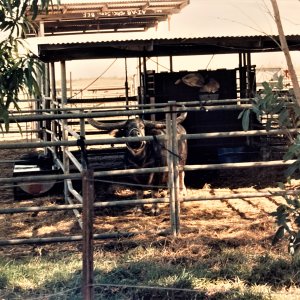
[{"x": 205, "y": 224}]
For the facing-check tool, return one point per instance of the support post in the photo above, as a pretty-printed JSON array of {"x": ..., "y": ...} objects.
[
  {"x": 175, "y": 154},
  {"x": 87, "y": 233},
  {"x": 172, "y": 146},
  {"x": 144, "y": 94},
  {"x": 54, "y": 126},
  {"x": 126, "y": 84},
  {"x": 64, "y": 125},
  {"x": 171, "y": 63}
]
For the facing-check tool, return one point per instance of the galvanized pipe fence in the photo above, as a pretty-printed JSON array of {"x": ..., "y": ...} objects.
[
  {"x": 55, "y": 135},
  {"x": 64, "y": 142}
]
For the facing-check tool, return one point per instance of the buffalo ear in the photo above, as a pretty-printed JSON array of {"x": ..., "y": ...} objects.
[
  {"x": 153, "y": 131},
  {"x": 115, "y": 133}
]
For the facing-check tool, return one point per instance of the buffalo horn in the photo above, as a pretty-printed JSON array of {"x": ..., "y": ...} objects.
[
  {"x": 106, "y": 126},
  {"x": 162, "y": 124}
]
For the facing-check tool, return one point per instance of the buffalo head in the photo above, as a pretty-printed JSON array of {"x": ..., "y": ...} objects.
[{"x": 136, "y": 127}]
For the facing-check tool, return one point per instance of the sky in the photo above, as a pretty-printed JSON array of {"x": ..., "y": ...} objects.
[{"x": 201, "y": 18}]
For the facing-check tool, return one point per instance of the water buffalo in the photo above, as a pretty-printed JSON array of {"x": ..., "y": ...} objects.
[
  {"x": 196, "y": 80},
  {"x": 142, "y": 154}
]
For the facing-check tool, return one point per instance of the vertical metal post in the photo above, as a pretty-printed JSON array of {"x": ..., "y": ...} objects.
[
  {"x": 84, "y": 159},
  {"x": 63, "y": 82},
  {"x": 175, "y": 160},
  {"x": 71, "y": 88},
  {"x": 47, "y": 81},
  {"x": 243, "y": 79},
  {"x": 47, "y": 103},
  {"x": 41, "y": 32},
  {"x": 144, "y": 94},
  {"x": 44, "y": 122},
  {"x": 41, "y": 83},
  {"x": 126, "y": 84},
  {"x": 38, "y": 103},
  {"x": 170, "y": 175},
  {"x": 140, "y": 80},
  {"x": 82, "y": 126},
  {"x": 171, "y": 63},
  {"x": 54, "y": 126},
  {"x": 64, "y": 122},
  {"x": 248, "y": 66},
  {"x": 87, "y": 233},
  {"x": 172, "y": 145}
]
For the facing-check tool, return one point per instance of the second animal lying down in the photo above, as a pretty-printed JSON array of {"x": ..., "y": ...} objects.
[{"x": 150, "y": 154}]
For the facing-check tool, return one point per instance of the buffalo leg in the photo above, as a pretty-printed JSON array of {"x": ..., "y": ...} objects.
[
  {"x": 182, "y": 187},
  {"x": 140, "y": 207}
]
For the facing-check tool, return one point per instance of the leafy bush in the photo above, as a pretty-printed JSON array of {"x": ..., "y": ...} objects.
[
  {"x": 281, "y": 112},
  {"x": 288, "y": 221},
  {"x": 18, "y": 66}
]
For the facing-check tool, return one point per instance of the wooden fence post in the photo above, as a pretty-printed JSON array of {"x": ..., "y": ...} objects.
[{"x": 87, "y": 233}]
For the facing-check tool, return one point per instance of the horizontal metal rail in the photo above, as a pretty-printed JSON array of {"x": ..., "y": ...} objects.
[
  {"x": 239, "y": 165},
  {"x": 62, "y": 239},
  {"x": 106, "y": 113},
  {"x": 77, "y": 176},
  {"x": 200, "y": 103},
  {"x": 23, "y": 131},
  {"x": 109, "y": 141},
  {"x": 103, "y": 204},
  {"x": 105, "y": 141},
  {"x": 230, "y": 134}
]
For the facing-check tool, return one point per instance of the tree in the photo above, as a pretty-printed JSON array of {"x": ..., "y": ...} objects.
[
  {"x": 18, "y": 66},
  {"x": 285, "y": 49},
  {"x": 285, "y": 113}
]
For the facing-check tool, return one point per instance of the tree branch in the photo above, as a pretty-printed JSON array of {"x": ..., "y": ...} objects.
[{"x": 285, "y": 49}]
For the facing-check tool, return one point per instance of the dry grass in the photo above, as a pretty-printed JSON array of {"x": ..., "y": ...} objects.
[{"x": 224, "y": 250}]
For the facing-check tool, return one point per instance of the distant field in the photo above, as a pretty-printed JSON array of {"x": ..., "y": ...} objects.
[
  {"x": 78, "y": 89},
  {"x": 101, "y": 88}
]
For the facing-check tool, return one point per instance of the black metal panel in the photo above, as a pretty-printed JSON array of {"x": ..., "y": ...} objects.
[
  {"x": 202, "y": 150},
  {"x": 166, "y": 89}
]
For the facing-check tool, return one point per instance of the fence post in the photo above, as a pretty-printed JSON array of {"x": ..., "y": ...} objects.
[
  {"x": 172, "y": 156},
  {"x": 175, "y": 153},
  {"x": 87, "y": 234},
  {"x": 64, "y": 123}
]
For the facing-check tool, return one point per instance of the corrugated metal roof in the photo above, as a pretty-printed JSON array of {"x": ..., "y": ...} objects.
[
  {"x": 103, "y": 16},
  {"x": 108, "y": 47},
  {"x": 136, "y": 37}
]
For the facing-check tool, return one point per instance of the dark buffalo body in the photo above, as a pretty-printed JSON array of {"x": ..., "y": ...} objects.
[{"x": 147, "y": 154}]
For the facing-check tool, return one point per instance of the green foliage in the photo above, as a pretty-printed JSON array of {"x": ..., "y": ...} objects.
[
  {"x": 18, "y": 66},
  {"x": 288, "y": 221},
  {"x": 281, "y": 112}
]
